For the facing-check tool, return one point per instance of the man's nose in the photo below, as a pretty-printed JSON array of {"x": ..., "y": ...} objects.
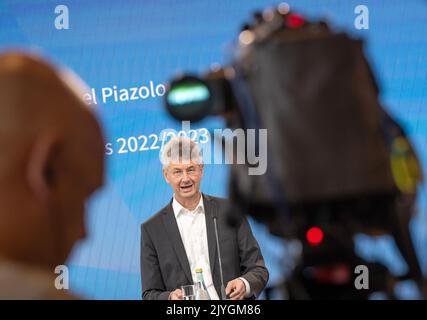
[{"x": 185, "y": 176}]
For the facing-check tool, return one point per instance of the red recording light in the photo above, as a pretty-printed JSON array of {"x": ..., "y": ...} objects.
[
  {"x": 314, "y": 236},
  {"x": 294, "y": 21}
]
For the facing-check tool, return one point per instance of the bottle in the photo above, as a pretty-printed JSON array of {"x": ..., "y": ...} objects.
[{"x": 201, "y": 290}]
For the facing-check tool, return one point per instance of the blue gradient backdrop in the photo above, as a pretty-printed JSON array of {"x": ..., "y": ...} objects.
[{"x": 129, "y": 43}]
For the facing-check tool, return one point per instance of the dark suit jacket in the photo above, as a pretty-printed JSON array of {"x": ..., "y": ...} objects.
[{"x": 164, "y": 263}]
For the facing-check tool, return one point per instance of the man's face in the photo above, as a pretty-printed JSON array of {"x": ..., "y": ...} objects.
[{"x": 184, "y": 178}]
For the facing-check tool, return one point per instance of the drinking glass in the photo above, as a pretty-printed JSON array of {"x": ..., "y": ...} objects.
[{"x": 189, "y": 292}]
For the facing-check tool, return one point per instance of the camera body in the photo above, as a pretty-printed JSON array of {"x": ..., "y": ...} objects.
[{"x": 336, "y": 159}]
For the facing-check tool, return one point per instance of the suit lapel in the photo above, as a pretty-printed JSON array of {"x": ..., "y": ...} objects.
[
  {"x": 210, "y": 230},
  {"x": 172, "y": 232}
]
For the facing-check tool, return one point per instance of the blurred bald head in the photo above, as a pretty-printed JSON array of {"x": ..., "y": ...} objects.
[{"x": 51, "y": 160}]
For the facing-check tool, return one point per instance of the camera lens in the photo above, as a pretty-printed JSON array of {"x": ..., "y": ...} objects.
[{"x": 189, "y": 98}]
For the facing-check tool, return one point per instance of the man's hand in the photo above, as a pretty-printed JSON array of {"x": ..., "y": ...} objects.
[
  {"x": 176, "y": 295},
  {"x": 236, "y": 289}
]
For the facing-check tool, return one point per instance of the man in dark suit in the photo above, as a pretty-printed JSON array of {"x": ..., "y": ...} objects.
[{"x": 181, "y": 237}]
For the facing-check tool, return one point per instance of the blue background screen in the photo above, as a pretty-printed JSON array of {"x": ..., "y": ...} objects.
[{"x": 126, "y": 44}]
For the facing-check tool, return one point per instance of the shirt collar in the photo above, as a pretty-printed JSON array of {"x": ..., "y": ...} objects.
[{"x": 178, "y": 208}]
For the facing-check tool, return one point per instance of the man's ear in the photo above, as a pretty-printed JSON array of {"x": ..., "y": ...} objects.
[
  {"x": 42, "y": 165},
  {"x": 165, "y": 174}
]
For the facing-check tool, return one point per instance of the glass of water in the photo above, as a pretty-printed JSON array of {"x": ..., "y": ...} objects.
[{"x": 189, "y": 292}]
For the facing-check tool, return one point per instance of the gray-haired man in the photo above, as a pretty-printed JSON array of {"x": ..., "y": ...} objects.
[{"x": 180, "y": 238}]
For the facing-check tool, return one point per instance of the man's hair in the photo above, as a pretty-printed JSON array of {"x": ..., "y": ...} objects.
[{"x": 180, "y": 149}]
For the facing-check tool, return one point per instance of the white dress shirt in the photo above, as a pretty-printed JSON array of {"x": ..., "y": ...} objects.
[{"x": 192, "y": 228}]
